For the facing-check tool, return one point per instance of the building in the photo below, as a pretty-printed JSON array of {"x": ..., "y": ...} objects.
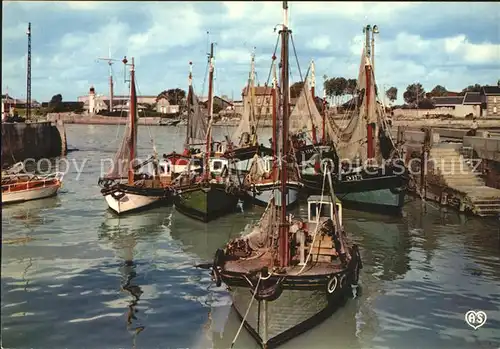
[
  {"x": 263, "y": 100},
  {"x": 459, "y": 106},
  {"x": 490, "y": 101},
  {"x": 220, "y": 104},
  {"x": 163, "y": 106}
]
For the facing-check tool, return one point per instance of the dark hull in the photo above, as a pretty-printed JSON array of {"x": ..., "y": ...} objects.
[
  {"x": 305, "y": 153},
  {"x": 383, "y": 191},
  {"x": 260, "y": 195},
  {"x": 246, "y": 153},
  {"x": 206, "y": 204}
]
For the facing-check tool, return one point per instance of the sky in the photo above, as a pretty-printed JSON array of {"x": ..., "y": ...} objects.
[{"x": 451, "y": 44}]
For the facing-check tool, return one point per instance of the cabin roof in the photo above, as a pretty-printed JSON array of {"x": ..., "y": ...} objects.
[{"x": 318, "y": 198}]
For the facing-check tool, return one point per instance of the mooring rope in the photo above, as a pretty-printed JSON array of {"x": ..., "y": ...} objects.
[{"x": 246, "y": 314}]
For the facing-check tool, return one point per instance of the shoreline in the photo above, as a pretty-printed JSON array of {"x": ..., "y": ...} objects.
[{"x": 459, "y": 123}]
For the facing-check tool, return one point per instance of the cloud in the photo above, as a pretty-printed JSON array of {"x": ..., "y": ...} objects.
[{"x": 455, "y": 46}]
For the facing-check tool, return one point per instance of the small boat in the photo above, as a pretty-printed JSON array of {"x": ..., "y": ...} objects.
[
  {"x": 135, "y": 191},
  {"x": 19, "y": 185},
  {"x": 169, "y": 122},
  {"x": 286, "y": 276},
  {"x": 212, "y": 193}
]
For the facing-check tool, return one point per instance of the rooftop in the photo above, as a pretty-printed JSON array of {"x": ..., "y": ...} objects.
[
  {"x": 472, "y": 98},
  {"x": 491, "y": 90},
  {"x": 446, "y": 100}
]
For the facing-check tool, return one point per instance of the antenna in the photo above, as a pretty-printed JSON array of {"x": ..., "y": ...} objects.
[{"x": 110, "y": 63}]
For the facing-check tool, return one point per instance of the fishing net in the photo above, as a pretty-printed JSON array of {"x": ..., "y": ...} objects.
[
  {"x": 262, "y": 233},
  {"x": 305, "y": 114},
  {"x": 352, "y": 140}
]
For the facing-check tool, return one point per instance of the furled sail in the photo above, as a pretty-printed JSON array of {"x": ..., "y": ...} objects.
[
  {"x": 120, "y": 166},
  {"x": 352, "y": 140},
  {"x": 246, "y": 121},
  {"x": 197, "y": 125},
  {"x": 305, "y": 114}
]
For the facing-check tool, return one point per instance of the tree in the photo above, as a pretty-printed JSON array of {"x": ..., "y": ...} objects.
[
  {"x": 174, "y": 96},
  {"x": 414, "y": 92},
  {"x": 471, "y": 88},
  {"x": 426, "y": 103},
  {"x": 439, "y": 91},
  {"x": 55, "y": 103},
  {"x": 296, "y": 88},
  {"x": 352, "y": 84},
  {"x": 392, "y": 94}
]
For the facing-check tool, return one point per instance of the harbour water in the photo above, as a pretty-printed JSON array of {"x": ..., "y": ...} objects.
[{"x": 76, "y": 276}]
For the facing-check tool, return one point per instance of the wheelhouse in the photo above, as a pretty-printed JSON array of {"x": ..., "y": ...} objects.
[{"x": 322, "y": 207}]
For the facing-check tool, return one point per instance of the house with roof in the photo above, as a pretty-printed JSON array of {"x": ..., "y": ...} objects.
[
  {"x": 458, "y": 106},
  {"x": 490, "y": 100}
]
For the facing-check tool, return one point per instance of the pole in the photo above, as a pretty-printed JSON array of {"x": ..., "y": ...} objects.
[
  {"x": 210, "y": 111},
  {"x": 133, "y": 126},
  {"x": 313, "y": 85},
  {"x": 284, "y": 228},
  {"x": 28, "y": 75}
]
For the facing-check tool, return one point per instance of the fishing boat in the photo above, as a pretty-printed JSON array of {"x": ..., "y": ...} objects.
[
  {"x": 212, "y": 193},
  {"x": 243, "y": 144},
  {"x": 262, "y": 182},
  {"x": 124, "y": 187},
  {"x": 370, "y": 174},
  {"x": 285, "y": 276},
  {"x": 19, "y": 185}
]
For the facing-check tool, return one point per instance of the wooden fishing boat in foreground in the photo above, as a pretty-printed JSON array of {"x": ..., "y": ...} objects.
[
  {"x": 285, "y": 276},
  {"x": 134, "y": 191},
  {"x": 19, "y": 186}
]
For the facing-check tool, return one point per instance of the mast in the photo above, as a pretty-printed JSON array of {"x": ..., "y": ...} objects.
[
  {"x": 110, "y": 63},
  {"x": 313, "y": 85},
  {"x": 28, "y": 75},
  {"x": 252, "y": 98},
  {"x": 369, "y": 127},
  {"x": 284, "y": 258},
  {"x": 274, "y": 109},
  {"x": 210, "y": 110},
  {"x": 189, "y": 100},
  {"x": 132, "y": 117},
  {"x": 323, "y": 116}
]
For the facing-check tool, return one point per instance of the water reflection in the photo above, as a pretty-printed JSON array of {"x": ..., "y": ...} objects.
[
  {"x": 30, "y": 213},
  {"x": 123, "y": 235}
]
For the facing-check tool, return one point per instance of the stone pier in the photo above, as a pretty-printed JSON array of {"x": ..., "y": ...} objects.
[{"x": 21, "y": 141}]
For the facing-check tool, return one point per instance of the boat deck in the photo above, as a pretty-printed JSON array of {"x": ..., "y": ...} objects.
[{"x": 312, "y": 268}]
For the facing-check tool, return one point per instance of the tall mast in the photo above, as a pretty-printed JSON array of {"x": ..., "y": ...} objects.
[
  {"x": 210, "y": 110},
  {"x": 132, "y": 119},
  {"x": 274, "y": 109},
  {"x": 285, "y": 113},
  {"x": 313, "y": 85},
  {"x": 252, "y": 97},
  {"x": 189, "y": 100},
  {"x": 28, "y": 75},
  {"x": 323, "y": 114},
  {"x": 110, "y": 63}
]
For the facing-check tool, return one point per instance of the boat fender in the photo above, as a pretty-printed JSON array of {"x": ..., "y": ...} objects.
[
  {"x": 332, "y": 285},
  {"x": 355, "y": 249}
]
